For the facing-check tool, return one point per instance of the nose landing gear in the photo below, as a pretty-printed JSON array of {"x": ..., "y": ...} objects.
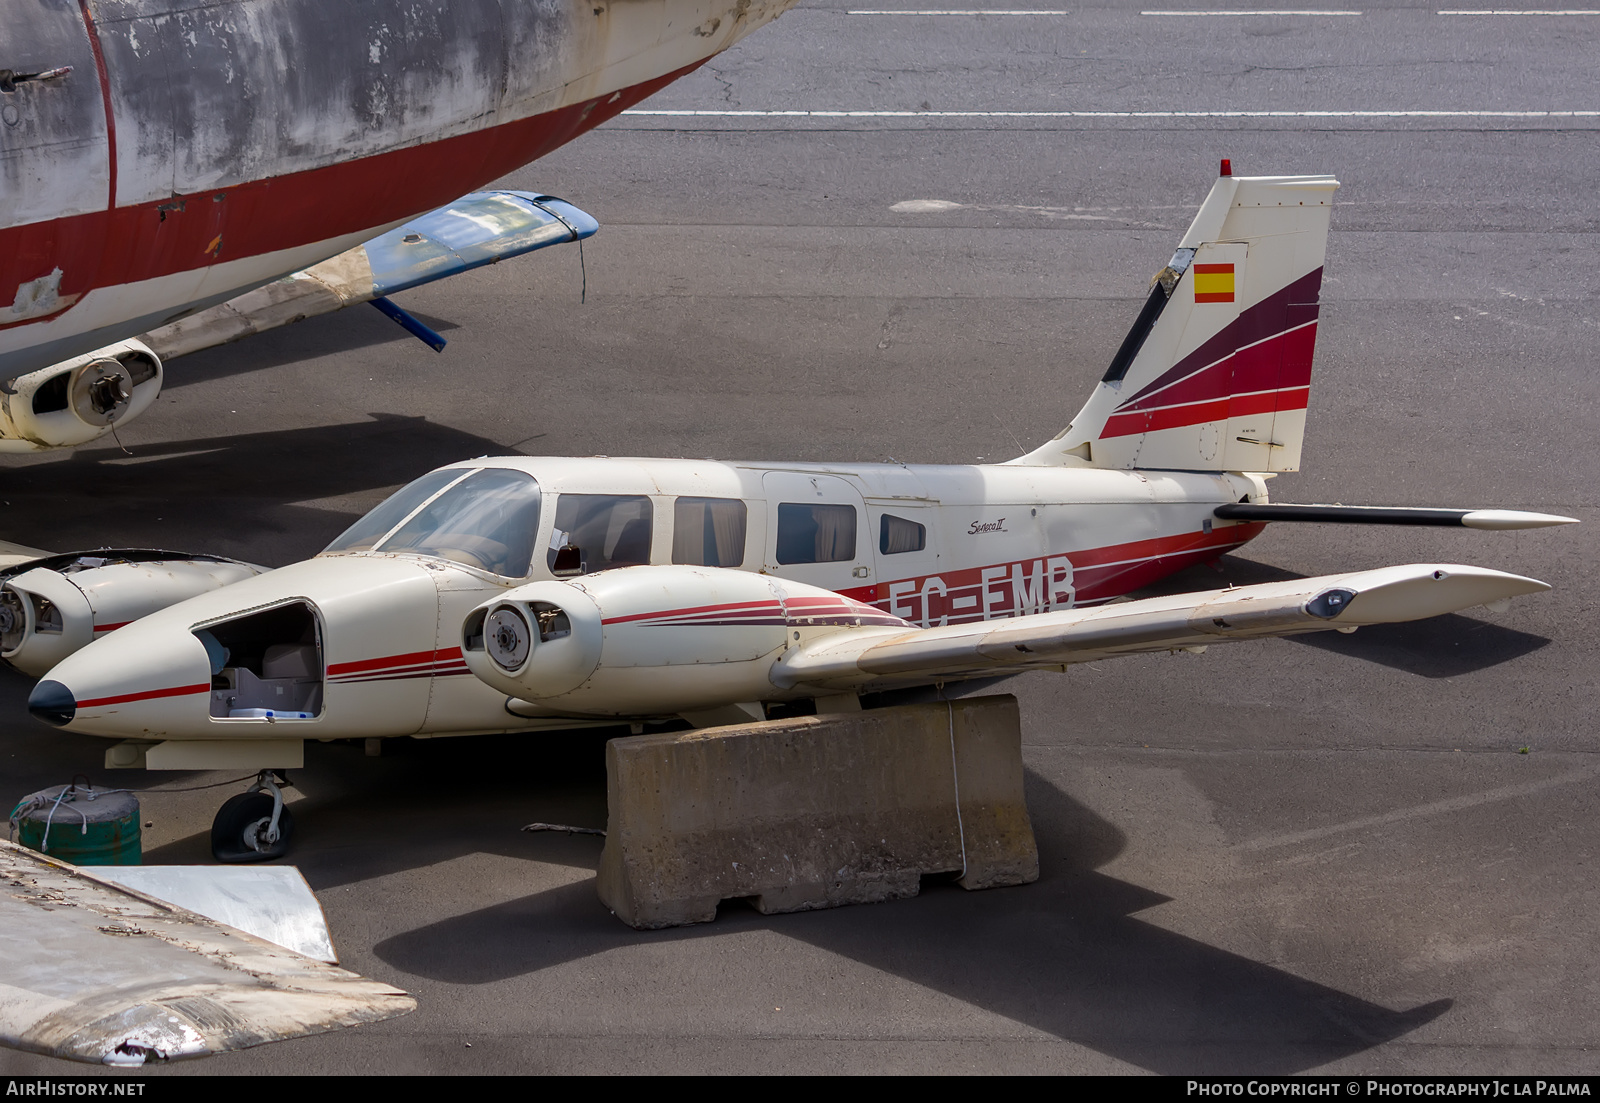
[{"x": 254, "y": 826}]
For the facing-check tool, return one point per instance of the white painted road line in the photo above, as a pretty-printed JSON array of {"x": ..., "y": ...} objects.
[
  {"x": 1236, "y": 13},
  {"x": 794, "y": 114},
  {"x": 974, "y": 11},
  {"x": 1499, "y": 11}
]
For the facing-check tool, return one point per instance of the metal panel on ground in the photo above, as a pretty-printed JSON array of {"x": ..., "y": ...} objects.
[{"x": 92, "y": 971}]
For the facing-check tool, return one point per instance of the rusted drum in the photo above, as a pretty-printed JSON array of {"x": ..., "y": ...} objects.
[{"x": 81, "y": 825}]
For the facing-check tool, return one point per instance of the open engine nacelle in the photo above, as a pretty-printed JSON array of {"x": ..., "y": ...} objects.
[
  {"x": 51, "y": 607},
  {"x": 79, "y": 400},
  {"x": 641, "y": 641}
]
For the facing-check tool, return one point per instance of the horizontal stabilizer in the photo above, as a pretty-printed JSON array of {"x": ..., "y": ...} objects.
[
  {"x": 94, "y": 971},
  {"x": 1498, "y": 519},
  {"x": 1382, "y": 596},
  {"x": 475, "y": 230}
]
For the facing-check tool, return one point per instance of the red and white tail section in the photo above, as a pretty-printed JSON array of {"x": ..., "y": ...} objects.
[{"x": 1215, "y": 373}]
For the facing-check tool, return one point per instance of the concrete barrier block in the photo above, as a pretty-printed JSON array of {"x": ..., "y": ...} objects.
[{"x": 815, "y": 812}]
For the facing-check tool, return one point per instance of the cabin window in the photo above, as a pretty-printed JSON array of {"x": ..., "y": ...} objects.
[
  {"x": 816, "y": 533},
  {"x": 594, "y": 532},
  {"x": 896, "y": 535},
  {"x": 708, "y": 532},
  {"x": 488, "y": 520}
]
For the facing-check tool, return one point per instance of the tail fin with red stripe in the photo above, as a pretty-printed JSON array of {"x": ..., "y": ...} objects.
[{"x": 1215, "y": 373}]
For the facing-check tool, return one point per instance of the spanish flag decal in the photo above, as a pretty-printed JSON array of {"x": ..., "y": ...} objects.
[{"x": 1213, "y": 283}]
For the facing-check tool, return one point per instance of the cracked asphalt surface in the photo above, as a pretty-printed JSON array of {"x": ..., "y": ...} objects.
[{"x": 1320, "y": 855}]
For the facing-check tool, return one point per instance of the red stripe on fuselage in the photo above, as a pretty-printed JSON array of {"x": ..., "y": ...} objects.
[
  {"x": 805, "y": 610},
  {"x": 163, "y": 237},
  {"x": 404, "y": 675},
  {"x": 146, "y": 695},
  {"x": 731, "y": 607},
  {"x": 1098, "y": 574},
  {"x": 1162, "y": 545},
  {"x": 414, "y": 658}
]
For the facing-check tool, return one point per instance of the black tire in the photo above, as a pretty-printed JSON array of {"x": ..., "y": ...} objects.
[{"x": 248, "y": 812}]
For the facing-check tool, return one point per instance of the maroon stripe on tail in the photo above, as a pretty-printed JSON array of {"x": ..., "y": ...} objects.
[
  {"x": 1279, "y": 366},
  {"x": 1283, "y": 310}
]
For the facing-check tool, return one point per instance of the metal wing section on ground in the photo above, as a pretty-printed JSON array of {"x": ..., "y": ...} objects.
[
  {"x": 93, "y": 971},
  {"x": 268, "y": 901},
  {"x": 1055, "y": 640},
  {"x": 475, "y": 230}
]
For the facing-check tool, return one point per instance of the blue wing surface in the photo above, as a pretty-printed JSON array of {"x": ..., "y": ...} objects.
[{"x": 475, "y": 230}]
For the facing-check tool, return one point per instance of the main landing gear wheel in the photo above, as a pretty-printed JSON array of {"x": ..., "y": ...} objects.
[{"x": 255, "y": 826}]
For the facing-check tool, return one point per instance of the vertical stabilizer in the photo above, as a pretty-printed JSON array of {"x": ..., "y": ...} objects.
[{"x": 1215, "y": 373}]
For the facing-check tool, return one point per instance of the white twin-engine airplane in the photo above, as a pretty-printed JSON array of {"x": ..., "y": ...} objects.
[{"x": 525, "y": 594}]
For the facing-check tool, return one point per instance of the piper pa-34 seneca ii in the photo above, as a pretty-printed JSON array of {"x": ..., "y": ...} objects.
[{"x": 527, "y": 594}]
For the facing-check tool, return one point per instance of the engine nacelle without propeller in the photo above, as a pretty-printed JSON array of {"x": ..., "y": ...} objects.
[
  {"x": 651, "y": 641},
  {"x": 51, "y": 607},
  {"x": 79, "y": 400}
]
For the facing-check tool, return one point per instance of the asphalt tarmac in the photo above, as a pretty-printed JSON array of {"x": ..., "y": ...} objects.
[{"x": 1359, "y": 854}]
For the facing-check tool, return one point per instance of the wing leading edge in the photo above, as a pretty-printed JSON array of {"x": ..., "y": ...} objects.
[{"x": 1055, "y": 640}]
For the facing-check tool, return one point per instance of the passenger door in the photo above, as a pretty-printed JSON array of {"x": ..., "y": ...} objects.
[
  {"x": 817, "y": 531},
  {"x": 909, "y": 581}
]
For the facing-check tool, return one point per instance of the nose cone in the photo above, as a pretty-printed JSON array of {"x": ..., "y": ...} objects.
[
  {"x": 53, "y": 703},
  {"x": 146, "y": 680}
]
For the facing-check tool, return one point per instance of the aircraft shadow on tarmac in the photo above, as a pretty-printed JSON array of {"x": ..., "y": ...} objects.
[
  {"x": 226, "y": 495},
  {"x": 1440, "y": 647},
  {"x": 1067, "y": 955}
]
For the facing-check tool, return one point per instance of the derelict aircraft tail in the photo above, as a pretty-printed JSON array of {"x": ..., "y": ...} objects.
[{"x": 1215, "y": 373}]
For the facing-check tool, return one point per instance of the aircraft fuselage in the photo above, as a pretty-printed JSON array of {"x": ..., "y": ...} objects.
[{"x": 377, "y": 620}]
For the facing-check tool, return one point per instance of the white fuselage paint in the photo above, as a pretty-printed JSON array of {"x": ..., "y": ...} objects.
[{"x": 1000, "y": 541}]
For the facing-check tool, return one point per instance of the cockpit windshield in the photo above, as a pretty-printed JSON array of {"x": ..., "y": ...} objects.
[
  {"x": 486, "y": 518},
  {"x": 381, "y": 521}
]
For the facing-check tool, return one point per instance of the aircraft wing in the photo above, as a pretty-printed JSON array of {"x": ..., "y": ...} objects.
[
  {"x": 1176, "y": 622},
  {"x": 91, "y": 970},
  {"x": 475, "y": 230}
]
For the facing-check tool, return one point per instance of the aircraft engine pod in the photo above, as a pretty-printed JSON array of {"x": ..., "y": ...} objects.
[
  {"x": 79, "y": 400},
  {"x": 52, "y": 607},
  {"x": 650, "y": 640},
  {"x": 43, "y": 619},
  {"x": 504, "y": 648},
  {"x": 508, "y": 638}
]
